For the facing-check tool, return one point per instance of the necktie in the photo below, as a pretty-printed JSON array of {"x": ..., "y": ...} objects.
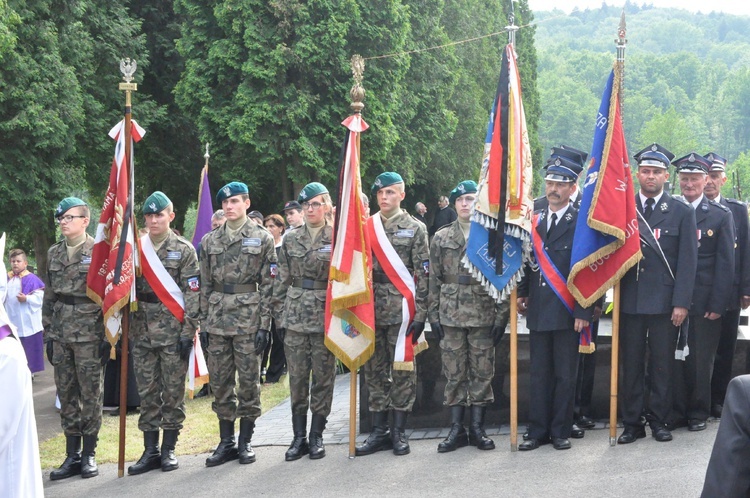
[
  {"x": 649, "y": 208},
  {"x": 552, "y": 224}
]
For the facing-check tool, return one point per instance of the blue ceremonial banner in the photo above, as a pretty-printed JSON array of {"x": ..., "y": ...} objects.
[{"x": 499, "y": 241}]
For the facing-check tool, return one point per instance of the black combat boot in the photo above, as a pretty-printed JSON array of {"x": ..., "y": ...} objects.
[
  {"x": 398, "y": 434},
  {"x": 379, "y": 439},
  {"x": 227, "y": 449},
  {"x": 317, "y": 426},
  {"x": 247, "y": 455},
  {"x": 477, "y": 437},
  {"x": 299, "y": 446},
  {"x": 88, "y": 460},
  {"x": 457, "y": 437},
  {"x": 168, "y": 458},
  {"x": 151, "y": 459},
  {"x": 72, "y": 464}
]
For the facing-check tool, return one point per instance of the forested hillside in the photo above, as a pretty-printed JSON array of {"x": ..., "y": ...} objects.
[{"x": 687, "y": 79}]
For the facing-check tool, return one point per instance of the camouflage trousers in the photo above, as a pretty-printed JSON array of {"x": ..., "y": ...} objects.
[
  {"x": 230, "y": 356},
  {"x": 389, "y": 389},
  {"x": 306, "y": 353},
  {"x": 468, "y": 365},
  {"x": 78, "y": 377},
  {"x": 160, "y": 375}
]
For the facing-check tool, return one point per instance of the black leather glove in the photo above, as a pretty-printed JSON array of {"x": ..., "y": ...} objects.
[
  {"x": 203, "y": 337},
  {"x": 498, "y": 331},
  {"x": 415, "y": 330},
  {"x": 261, "y": 341},
  {"x": 50, "y": 350},
  {"x": 104, "y": 349},
  {"x": 184, "y": 347},
  {"x": 438, "y": 329},
  {"x": 281, "y": 332}
]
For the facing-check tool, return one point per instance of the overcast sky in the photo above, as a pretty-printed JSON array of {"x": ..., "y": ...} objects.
[{"x": 729, "y": 6}]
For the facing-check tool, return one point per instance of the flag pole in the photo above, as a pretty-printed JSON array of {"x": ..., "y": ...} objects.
[
  {"x": 512, "y": 28},
  {"x": 620, "y": 42},
  {"x": 127, "y": 67},
  {"x": 357, "y": 95}
]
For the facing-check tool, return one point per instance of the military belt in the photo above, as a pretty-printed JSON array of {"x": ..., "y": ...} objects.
[
  {"x": 380, "y": 278},
  {"x": 239, "y": 288},
  {"x": 460, "y": 280},
  {"x": 309, "y": 284},
  {"x": 73, "y": 300},
  {"x": 148, "y": 297}
]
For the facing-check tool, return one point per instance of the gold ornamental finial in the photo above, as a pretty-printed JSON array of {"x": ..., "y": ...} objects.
[{"x": 357, "y": 93}]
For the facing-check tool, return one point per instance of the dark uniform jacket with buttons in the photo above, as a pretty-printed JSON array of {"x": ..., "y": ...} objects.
[
  {"x": 546, "y": 311},
  {"x": 741, "y": 283},
  {"x": 715, "y": 258},
  {"x": 648, "y": 288}
]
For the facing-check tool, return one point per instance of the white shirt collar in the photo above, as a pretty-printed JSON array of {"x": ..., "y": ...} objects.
[
  {"x": 643, "y": 198},
  {"x": 697, "y": 202},
  {"x": 560, "y": 213}
]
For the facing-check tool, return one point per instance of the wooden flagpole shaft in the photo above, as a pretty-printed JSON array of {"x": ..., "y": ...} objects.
[
  {"x": 352, "y": 412},
  {"x": 125, "y": 318},
  {"x": 513, "y": 371},
  {"x": 615, "y": 367}
]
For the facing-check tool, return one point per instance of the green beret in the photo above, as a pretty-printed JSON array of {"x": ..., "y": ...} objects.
[
  {"x": 311, "y": 190},
  {"x": 67, "y": 203},
  {"x": 230, "y": 190},
  {"x": 156, "y": 203},
  {"x": 463, "y": 188},
  {"x": 386, "y": 180}
]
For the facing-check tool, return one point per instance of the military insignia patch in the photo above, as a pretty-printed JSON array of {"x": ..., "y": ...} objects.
[
  {"x": 303, "y": 195},
  {"x": 86, "y": 260},
  {"x": 704, "y": 208},
  {"x": 663, "y": 206},
  {"x": 194, "y": 284},
  {"x": 405, "y": 233},
  {"x": 426, "y": 266},
  {"x": 59, "y": 208},
  {"x": 174, "y": 255},
  {"x": 250, "y": 242},
  {"x": 378, "y": 183},
  {"x": 568, "y": 217},
  {"x": 274, "y": 270},
  {"x": 461, "y": 188},
  {"x": 152, "y": 206},
  {"x": 325, "y": 248},
  {"x": 227, "y": 191}
]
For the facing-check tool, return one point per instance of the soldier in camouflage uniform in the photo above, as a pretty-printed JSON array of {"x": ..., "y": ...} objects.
[
  {"x": 238, "y": 265},
  {"x": 468, "y": 322},
  {"x": 392, "y": 389},
  {"x": 161, "y": 343},
  {"x": 74, "y": 333},
  {"x": 304, "y": 261}
]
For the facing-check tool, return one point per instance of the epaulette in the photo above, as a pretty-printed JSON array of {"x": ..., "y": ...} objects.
[
  {"x": 444, "y": 227},
  {"x": 718, "y": 204},
  {"x": 735, "y": 201},
  {"x": 418, "y": 221}
]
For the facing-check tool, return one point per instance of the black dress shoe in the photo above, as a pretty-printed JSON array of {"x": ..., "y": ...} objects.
[
  {"x": 585, "y": 422},
  {"x": 576, "y": 432},
  {"x": 660, "y": 433},
  {"x": 716, "y": 409},
  {"x": 561, "y": 443},
  {"x": 529, "y": 444},
  {"x": 630, "y": 434},
  {"x": 526, "y": 436},
  {"x": 695, "y": 425}
]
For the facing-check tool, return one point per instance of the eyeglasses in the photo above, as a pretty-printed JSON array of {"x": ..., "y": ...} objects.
[
  {"x": 68, "y": 218},
  {"x": 314, "y": 205}
]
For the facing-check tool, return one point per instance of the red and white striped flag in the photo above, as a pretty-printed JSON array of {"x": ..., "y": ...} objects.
[
  {"x": 111, "y": 279},
  {"x": 350, "y": 312}
]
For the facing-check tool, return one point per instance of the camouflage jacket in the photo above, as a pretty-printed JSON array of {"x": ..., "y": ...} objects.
[
  {"x": 66, "y": 280},
  {"x": 154, "y": 320},
  {"x": 248, "y": 258},
  {"x": 408, "y": 237},
  {"x": 303, "y": 310},
  {"x": 454, "y": 304}
]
